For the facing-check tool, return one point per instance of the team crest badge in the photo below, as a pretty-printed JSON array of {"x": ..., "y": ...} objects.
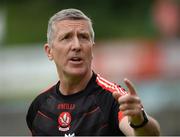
[{"x": 64, "y": 121}]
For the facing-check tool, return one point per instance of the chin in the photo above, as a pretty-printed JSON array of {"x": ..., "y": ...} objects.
[{"x": 77, "y": 72}]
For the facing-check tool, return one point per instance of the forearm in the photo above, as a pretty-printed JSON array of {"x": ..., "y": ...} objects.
[{"x": 152, "y": 128}]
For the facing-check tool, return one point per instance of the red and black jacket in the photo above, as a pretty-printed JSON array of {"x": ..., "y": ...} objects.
[{"x": 91, "y": 112}]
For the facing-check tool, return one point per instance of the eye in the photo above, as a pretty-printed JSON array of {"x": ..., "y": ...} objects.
[
  {"x": 84, "y": 36},
  {"x": 65, "y": 37}
]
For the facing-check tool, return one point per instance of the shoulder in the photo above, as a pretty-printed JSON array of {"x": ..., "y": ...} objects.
[
  {"x": 45, "y": 93},
  {"x": 39, "y": 99},
  {"x": 108, "y": 86},
  {"x": 104, "y": 92},
  {"x": 36, "y": 103}
]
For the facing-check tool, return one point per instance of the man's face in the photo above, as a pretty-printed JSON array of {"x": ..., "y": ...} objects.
[{"x": 71, "y": 48}]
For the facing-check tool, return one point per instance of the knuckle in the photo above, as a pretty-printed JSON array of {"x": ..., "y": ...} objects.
[
  {"x": 124, "y": 107},
  {"x": 137, "y": 99}
]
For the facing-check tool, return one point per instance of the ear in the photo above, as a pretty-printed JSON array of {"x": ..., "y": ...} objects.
[{"x": 48, "y": 51}]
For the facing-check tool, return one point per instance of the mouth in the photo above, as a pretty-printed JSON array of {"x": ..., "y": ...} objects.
[{"x": 76, "y": 60}]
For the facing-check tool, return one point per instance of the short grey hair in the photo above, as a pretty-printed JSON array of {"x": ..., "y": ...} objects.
[{"x": 70, "y": 14}]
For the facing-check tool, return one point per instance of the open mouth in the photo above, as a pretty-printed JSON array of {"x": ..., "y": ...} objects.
[{"x": 76, "y": 59}]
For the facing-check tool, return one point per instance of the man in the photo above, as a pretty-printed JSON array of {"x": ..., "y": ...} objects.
[{"x": 82, "y": 102}]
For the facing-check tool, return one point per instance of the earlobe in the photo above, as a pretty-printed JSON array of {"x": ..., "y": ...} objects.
[
  {"x": 48, "y": 51},
  {"x": 50, "y": 57}
]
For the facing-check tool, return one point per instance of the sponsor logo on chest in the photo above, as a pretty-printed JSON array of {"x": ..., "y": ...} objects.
[{"x": 66, "y": 106}]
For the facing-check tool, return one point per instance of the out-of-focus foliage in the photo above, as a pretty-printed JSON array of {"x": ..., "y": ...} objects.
[{"x": 27, "y": 19}]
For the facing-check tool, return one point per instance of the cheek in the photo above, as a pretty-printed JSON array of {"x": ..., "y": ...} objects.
[
  {"x": 89, "y": 54},
  {"x": 58, "y": 55}
]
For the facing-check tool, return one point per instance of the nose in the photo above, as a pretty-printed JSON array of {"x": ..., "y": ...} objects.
[{"x": 76, "y": 46}]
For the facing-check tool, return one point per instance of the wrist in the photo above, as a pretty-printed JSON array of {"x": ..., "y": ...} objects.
[{"x": 145, "y": 121}]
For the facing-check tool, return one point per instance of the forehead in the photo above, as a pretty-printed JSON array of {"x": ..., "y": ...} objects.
[{"x": 68, "y": 25}]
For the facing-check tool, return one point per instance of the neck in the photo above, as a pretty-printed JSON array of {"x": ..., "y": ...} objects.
[{"x": 73, "y": 84}]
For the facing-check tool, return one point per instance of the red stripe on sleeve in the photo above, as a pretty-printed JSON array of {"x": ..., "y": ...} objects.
[{"x": 109, "y": 86}]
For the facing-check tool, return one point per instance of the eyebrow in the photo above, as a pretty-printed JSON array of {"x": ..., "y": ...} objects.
[{"x": 69, "y": 32}]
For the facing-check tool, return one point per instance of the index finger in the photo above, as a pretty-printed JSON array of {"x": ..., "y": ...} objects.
[{"x": 130, "y": 86}]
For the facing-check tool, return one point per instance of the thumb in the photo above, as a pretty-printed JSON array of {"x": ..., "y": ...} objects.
[{"x": 130, "y": 87}]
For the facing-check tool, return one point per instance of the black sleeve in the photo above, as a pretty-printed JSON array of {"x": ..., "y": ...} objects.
[
  {"x": 114, "y": 118},
  {"x": 114, "y": 114},
  {"x": 32, "y": 113},
  {"x": 110, "y": 105}
]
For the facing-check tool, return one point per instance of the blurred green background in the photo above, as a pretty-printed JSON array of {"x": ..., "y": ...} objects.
[
  {"x": 129, "y": 38},
  {"x": 26, "y": 20}
]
